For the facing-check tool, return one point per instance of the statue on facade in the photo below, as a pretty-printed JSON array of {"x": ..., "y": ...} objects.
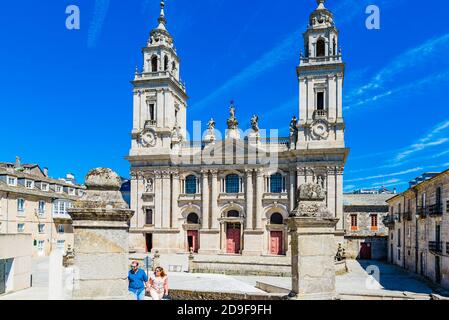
[
  {"x": 211, "y": 125},
  {"x": 232, "y": 121},
  {"x": 149, "y": 185},
  {"x": 293, "y": 132},
  {"x": 255, "y": 123}
]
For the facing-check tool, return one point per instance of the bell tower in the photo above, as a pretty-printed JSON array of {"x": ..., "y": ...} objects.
[
  {"x": 160, "y": 99},
  {"x": 320, "y": 75}
]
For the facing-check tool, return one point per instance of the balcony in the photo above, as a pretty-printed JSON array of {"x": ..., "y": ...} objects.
[
  {"x": 390, "y": 220},
  {"x": 422, "y": 212},
  {"x": 62, "y": 216},
  {"x": 435, "y": 210},
  {"x": 150, "y": 123},
  {"x": 408, "y": 215},
  {"x": 436, "y": 246},
  {"x": 319, "y": 114},
  {"x": 335, "y": 58}
]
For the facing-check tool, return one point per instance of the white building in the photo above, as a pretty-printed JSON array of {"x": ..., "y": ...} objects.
[{"x": 231, "y": 195}]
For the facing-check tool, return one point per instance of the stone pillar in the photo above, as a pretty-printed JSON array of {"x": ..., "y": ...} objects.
[
  {"x": 312, "y": 229},
  {"x": 259, "y": 196},
  {"x": 174, "y": 205},
  {"x": 292, "y": 189},
  {"x": 158, "y": 211},
  {"x": 214, "y": 200},
  {"x": 210, "y": 237},
  {"x": 166, "y": 199},
  {"x": 101, "y": 230},
  {"x": 205, "y": 199},
  {"x": 339, "y": 198},
  {"x": 249, "y": 199}
]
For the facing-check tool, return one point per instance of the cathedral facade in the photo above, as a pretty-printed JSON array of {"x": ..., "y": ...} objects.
[{"x": 232, "y": 194}]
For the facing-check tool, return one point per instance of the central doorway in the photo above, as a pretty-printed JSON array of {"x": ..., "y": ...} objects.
[
  {"x": 149, "y": 241},
  {"x": 276, "y": 240},
  {"x": 365, "y": 251},
  {"x": 233, "y": 234},
  {"x": 192, "y": 240}
]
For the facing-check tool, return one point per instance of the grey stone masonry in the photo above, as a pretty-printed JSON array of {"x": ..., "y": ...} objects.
[
  {"x": 101, "y": 247},
  {"x": 312, "y": 231}
]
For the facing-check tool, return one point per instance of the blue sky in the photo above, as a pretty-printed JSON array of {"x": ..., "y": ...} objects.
[{"x": 66, "y": 100}]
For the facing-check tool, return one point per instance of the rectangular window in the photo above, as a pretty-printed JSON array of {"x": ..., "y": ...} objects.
[
  {"x": 41, "y": 228},
  {"x": 374, "y": 222},
  {"x": 58, "y": 189},
  {"x": 29, "y": 184},
  {"x": 151, "y": 111},
  {"x": 447, "y": 206},
  {"x": 40, "y": 245},
  {"x": 41, "y": 208},
  {"x": 20, "y": 227},
  {"x": 320, "y": 101},
  {"x": 354, "y": 222},
  {"x": 399, "y": 238},
  {"x": 399, "y": 254},
  {"x": 400, "y": 212},
  {"x": 20, "y": 205},
  {"x": 61, "y": 229},
  {"x": 71, "y": 191},
  {"x": 12, "y": 181}
]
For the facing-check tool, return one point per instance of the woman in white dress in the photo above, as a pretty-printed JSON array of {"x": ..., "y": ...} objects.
[{"x": 159, "y": 284}]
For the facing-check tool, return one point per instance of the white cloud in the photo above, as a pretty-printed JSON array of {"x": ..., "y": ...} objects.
[
  {"x": 381, "y": 176},
  {"x": 404, "y": 62},
  {"x": 431, "y": 139}
]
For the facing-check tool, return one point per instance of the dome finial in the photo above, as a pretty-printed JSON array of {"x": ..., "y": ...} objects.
[
  {"x": 162, "y": 21},
  {"x": 320, "y": 4}
]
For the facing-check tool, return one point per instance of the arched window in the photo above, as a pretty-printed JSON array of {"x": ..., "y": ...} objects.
[
  {"x": 191, "y": 184},
  {"x": 165, "y": 63},
  {"x": 276, "y": 184},
  {"x": 173, "y": 66},
  {"x": 192, "y": 218},
  {"x": 232, "y": 183},
  {"x": 320, "y": 48},
  {"x": 233, "y": 214},
  {"x": 154, "y": 64},
  {"x": 276, "y": 218}
]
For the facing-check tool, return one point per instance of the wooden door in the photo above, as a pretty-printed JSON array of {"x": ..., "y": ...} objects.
[
  {"x": 233, "y": 239},
  {"x": 276, "y": 247},
  {"x": 365, "y": 251},
  {"x": 192, "y": 240}
]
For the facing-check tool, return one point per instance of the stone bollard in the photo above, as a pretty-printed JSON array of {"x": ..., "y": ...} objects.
[
  {"x": 101, "y": 230},
  {"x": 312, "y": 230}
]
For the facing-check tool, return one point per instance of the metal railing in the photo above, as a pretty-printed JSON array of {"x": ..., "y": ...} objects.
[
  {"x": 435, "y": 209},
  {"x": 408, "y": 215},
  {"x": 436, "y": 246},
  {"x": 422, "y": 212},
  {"x": 389, "y": 220}
]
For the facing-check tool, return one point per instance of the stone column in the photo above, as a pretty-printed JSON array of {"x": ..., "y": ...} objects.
[
  {"x": 214, "y": 200},
  {"x": 312, "y": 229},
  {"x": 101, "y": 231},
  {"x": 165, "y": 200},
  {"x": 175, "y": 196},
  {"x": 292, "y": 189},
  {"x": 249, "y": 199},
  {"x": 158, "y": 210},
  {"x": 339, "y": 198},
  {"x": 259, "y": 196},
  {"x": 205, "y": 199}
]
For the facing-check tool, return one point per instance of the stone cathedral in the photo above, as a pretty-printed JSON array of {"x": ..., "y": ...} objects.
[{"x": 219, "y": 195}]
